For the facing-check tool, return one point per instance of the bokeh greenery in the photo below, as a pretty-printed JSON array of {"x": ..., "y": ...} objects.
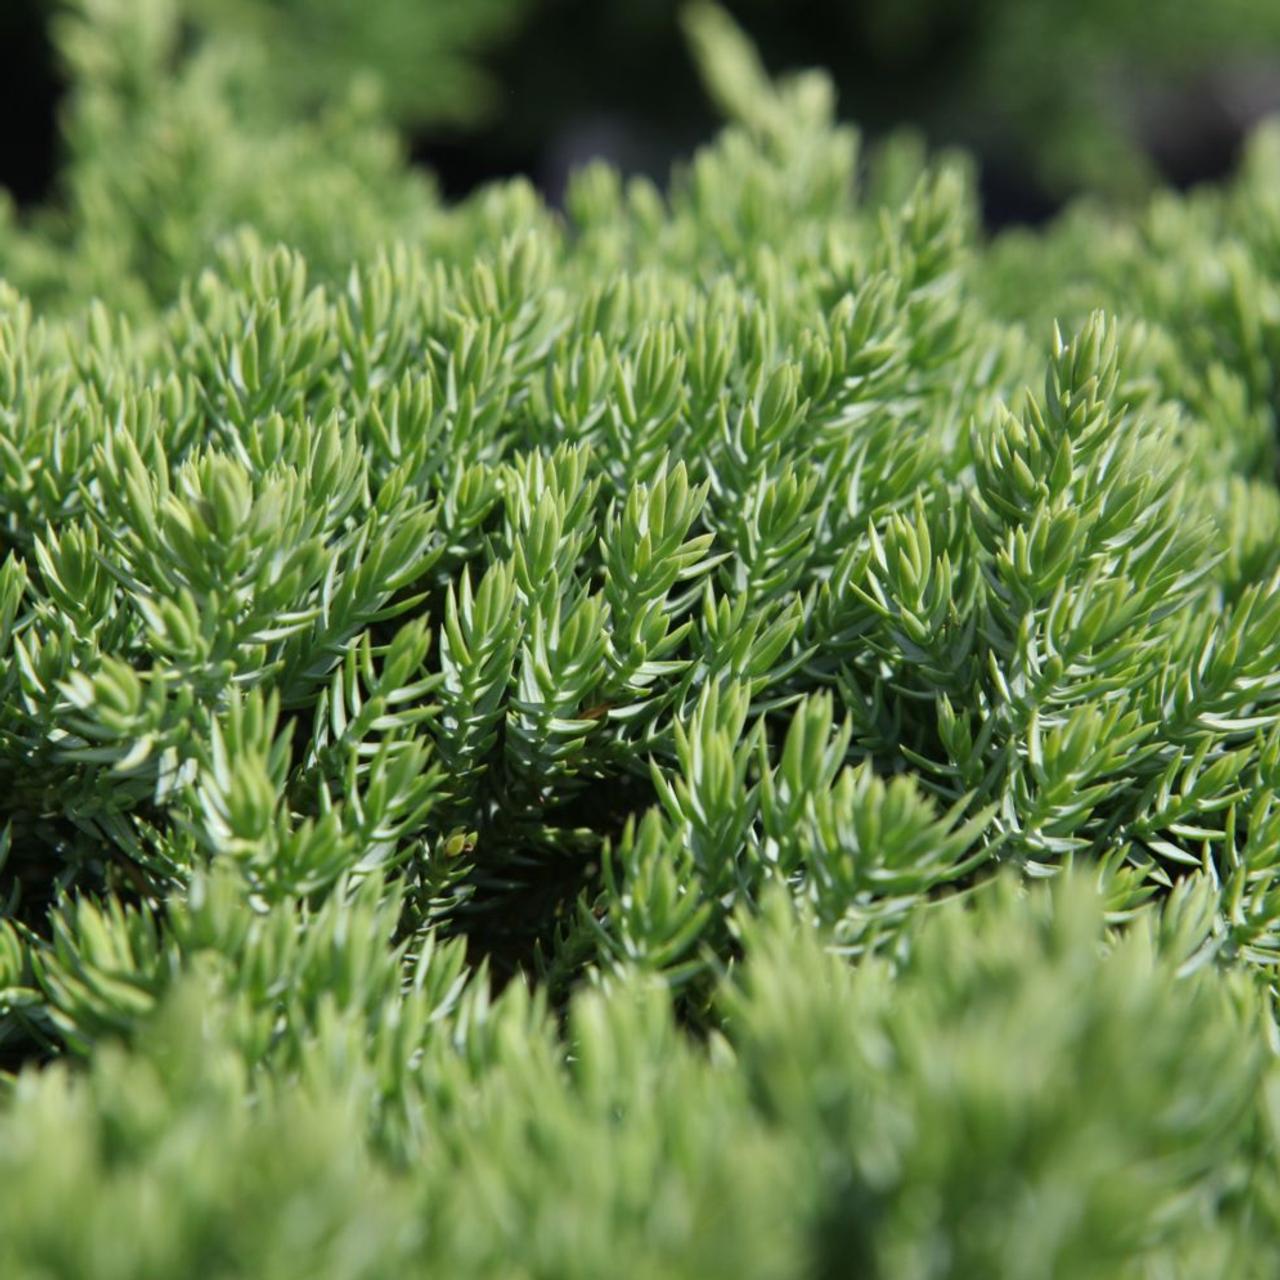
[{"x": 729, "y": 730}]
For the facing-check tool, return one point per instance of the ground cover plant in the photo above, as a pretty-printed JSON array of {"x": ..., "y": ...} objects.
[{"x": 731, "y": 730}]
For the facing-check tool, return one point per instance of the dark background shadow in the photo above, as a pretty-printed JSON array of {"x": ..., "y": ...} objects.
[{"x": 585, "y": 78}]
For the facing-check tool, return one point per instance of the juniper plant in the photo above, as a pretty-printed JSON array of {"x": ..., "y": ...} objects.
[{"x": 526, "y": 740}]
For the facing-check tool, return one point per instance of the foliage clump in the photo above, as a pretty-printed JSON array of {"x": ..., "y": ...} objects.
[{"x": 526, "y": 739}]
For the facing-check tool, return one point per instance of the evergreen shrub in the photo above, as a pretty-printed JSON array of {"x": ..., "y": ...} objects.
[{"x": 728, "y": 731}]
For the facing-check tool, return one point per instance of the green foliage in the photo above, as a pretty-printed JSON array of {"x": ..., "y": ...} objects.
[
  {"x": 297, "y": 53},
  {"x": 1070, "y": 89},
  {"x": 291, "y": 1106},
  {"x": 523, "y": 738}
]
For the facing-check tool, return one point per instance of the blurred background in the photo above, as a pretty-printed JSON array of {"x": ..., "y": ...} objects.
[{"x": 1054, "y": 97}]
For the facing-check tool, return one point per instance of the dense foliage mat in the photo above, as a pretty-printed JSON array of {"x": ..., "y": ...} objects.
[{"x": 528, "y": 740}]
